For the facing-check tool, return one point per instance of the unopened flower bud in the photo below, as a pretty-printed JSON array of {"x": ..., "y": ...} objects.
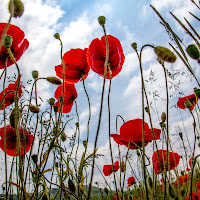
[
  {"x": 57, "y": 36},
  {"x": 188, "y": 104},
  {"x": 134, "y": 45},
  {"x": 77, "y": 124},
  {"x": 54, "y": 80},
  {"x": 7, "y": 41},
  {"x": 15, "y": 117},
  {"x": 147, "y": 109},
  {"x": 34, "y": 109},
  {"x": 165, "y": 54},
  {"x": 181, "y": 135},
  {"x": 55, "y": 108},
  {"x": 101, "y": 20},
  {"x": 34, "y": 158},
  {"x": 197, "y": 92},
  {"x": 16, "y": 8},
  {"x": 193, "y": 51},
  {"x": 63, "y": 136},
  {"x": 163, "y": 116},
  {"x": 35, "y": 74},
  {"x": 61, "y": 99},
  {"x": 51, "y": 101},
  {"x": 85, "y": 143}
]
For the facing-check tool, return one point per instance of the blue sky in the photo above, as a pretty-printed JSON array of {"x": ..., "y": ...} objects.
[{"x": 129, "y": 21}]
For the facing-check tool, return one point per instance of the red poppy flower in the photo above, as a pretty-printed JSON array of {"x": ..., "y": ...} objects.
[
  {"x": 131, "y": 134},
  {"x": 115, "y": 197},
  {"x": 191, "y": 98},
  {"x": 9, "y": 98},
  {"x": 108, "y": 169},
  {"x": 194, "y": 196},
  {"x": 183, "y": 179},
  {"x": 97, "y": 54},
  {"x": 18, "y": 47},
  {"x": 70, "y": 94},
  {"x": 159, "y": 166},
  {"x": 130, "y": 181},
  {"x": 26, "y": 140},
  {"x": 75, "y": 66}
]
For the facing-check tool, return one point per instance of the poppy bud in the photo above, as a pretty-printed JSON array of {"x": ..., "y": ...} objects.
[
  {"x": 138, "y": 153},
  {"x": 35, "y": 74},
  {"x": 54, "y": 80},
  {"x": 106, "y": 191},
  {"x": 101, "y": 20},
  {"x": 123, "y": 167},
  {"x": 188, "y": 104},
  {"x": 61, "y": 99},
  {"x": 134, "y": 45},
  {"x": 165, "y": 54},
  {"x": 197, "y": 92},
  {"x": 7, "y": 41},
  {"x": 77, "y": 124},
  {"x": 193, "y": 51},
  {"x": 85, "y": 143},
  {"x": 51, "y": 101},
  {"x": 34, "y": 109},
  {"x": 181, "y": 135},
  {"x": 34, "y": 158},
  {"x": 163, "y": 116},
  {"x": 147, "y": 109},
  {"x": 63, "y": 136},
  {"x": 16, "y": 9},
  {"x": 71, "y": 186},
  {"x": 57, "y": 36},
  {"x": 55, "y": 108},
  {"x": 15, "y": 117}
]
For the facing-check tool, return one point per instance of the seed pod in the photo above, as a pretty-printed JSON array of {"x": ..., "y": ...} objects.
[
  {"x": 197, "y": 92},
  {"x": 7, "y": 41},
  {"x": 165, "y": 54},
  {"x": 35, "y": 74},
  {"x": 16, "y": 9},
  {"x": 163, "y": 116},
  {"x": 56, "y": 131},
  {"x": 193, "y": 51},
  {"x": 181, "y": 135},
  {"x": 34, "y": 109},
  {"x": 51, "y": 101},
  {"x": 101, "y": 20},
  {"x": 15, "y": 117},
  {"x": 85, "y": 143},
  {"x": 55, "y": 108},
  {"x": 54, "y": 80},
  {"x": 71, "y": 186},
  {"x": 63, "y": 136},
  {"x": 134, "y": 45},
  {"x": 57, "y": 36}
]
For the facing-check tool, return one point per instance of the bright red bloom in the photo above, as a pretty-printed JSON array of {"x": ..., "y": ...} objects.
[
  {"x": 183, "y": 179},
  {"x": 131, "y": 134},
  {"x": 70, "y": 94},
  {"x": 115, "y": 197},
  {"x": 76, "y": 66},
  {"x": 97, "y": 54},
  {"x": 108, "y": 169},
  {"x": 130, "y": 181},
  {"x": 159, "y": 166},
  {"x": 194, "y": 196},
  {"x": 191, "y": 98},
  {"x": 18, "y": 47},
  {"x": 26, "y": 140},
  {"x": 9, "y": 98}
]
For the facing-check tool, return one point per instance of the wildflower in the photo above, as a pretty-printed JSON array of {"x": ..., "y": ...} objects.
[
  {"x": 115, "y": 197},
  {"x": 70, "y": 95},
  {"x": 26, "y": 140},
  {"x": 9, "y": 98},
  {"x": 131, "y": 134},
  {"x": 191, "y": 98},
  {"x": 183, "y": 179},
  {"x": 18, "y": 47},
  {"x": 97, "y": 53},
  {"x": 76, "y": 66},
  {"x": 159, "y": 162},
  {"x": 130, "y": 181},
  {"x": 108, "y": 169},
  {"x": 194, "y": 196}
]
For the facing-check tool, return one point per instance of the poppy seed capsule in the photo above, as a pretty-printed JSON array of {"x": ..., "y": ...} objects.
[
  {"x": 54, "y": 80},
  {"x": 15, "y": 117},
  {"x": 165, "y": 54},
  {"x": 101, "y": 20},
  {"x": 7, "y": 41},
  {"x": 51, "y": 101},
  {"x": 193, "y": 51},
  {"x": 134, "y": 45},
  {"x": 57, "y": 36},
  {"x": 181, "y": 135},
  {"x": 163, "y": 116},
  {"x": 35, "y": 74},
  {"x": 16, "y": 9},
  {"x": 197, "y": 92},
  {"x": 63, "y": 136},
  {"x": 34, "y": 109},
  {"x": 55, "y": 108}
]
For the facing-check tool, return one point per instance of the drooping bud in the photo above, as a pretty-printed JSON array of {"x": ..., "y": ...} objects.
[
  {"x": 54, "y": 80},
  {"x": 57, "y": 36},
  {"x": 134, "y": 45},
  {"x": 34, "y": 158},
  {"x": 101, "y": 20},
  {"x": 63, "y": 137},
  {"x": 16, "y": 8},
  {"x": 35, "y": 74},
  {"x": 197, "y": 92},
  {"x": 7, "y": 41},
  {"x": 147, "y": 109},
  {"x": 85, "y": 143},
  {"x": 34, "y": 109},
  {"x": 165, "y": 54},
  {"x": 163, "y": 116},
  {"x": 15, "y": 117},
  {"x": 51, "y": 101},
  {"x": 181, "y": 135},
  {"x": 193, "y": 51},
  {"x": 71, "y": 186},
  {"x": 77, "y": 124}
]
